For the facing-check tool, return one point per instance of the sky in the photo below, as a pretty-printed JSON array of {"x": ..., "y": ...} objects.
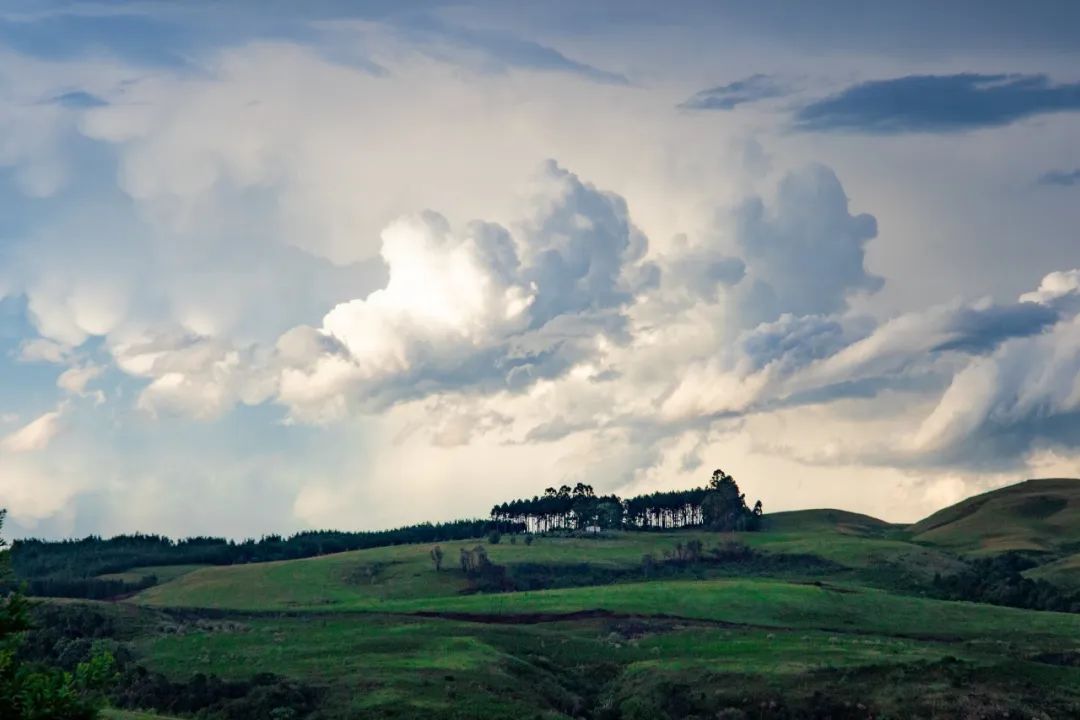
[{"x": 273, "y": 266}]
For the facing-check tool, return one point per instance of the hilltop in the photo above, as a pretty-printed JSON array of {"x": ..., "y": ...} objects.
[{"x": 1040, "y": 516}]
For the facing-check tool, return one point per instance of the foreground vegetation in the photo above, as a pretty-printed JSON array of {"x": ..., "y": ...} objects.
[{"x": 818, "y": 614}]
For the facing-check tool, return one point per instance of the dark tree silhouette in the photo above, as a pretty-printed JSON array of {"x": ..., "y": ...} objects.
[{"x": 719, "y": 505}]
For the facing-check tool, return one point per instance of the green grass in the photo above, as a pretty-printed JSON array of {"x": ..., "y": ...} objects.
[
  {"x": 407, "y": 666},
  {"x": 794, "y": 637},
  {"x": 366, "y": 578},
  {"x": 1064, "y": 572},
  {"x": 111, "y": 714},
  {"x": 385, "y": 635},
  {"x": 1037, "y": 515},
  {"x": 776, "y": 604},
  {"x": 299, "y": 647},
  {"x": 824, "y": 519}
]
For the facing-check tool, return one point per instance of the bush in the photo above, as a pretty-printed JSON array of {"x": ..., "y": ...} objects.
[
  {"x": 529, "y": 539},
  {"x": 494, "y": 537}
]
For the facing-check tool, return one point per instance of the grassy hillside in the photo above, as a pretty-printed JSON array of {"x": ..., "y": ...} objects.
[
  {"x": 379, "y": 666},
  {"x": 624, "y": 650},
  {"x": 824, "y": 519},
  {"x": 773, "y": 604},
  {"x": 826, "y": 615},
  {"x": 1064, "y": 572},
  {"x": 365, "y": 579},
  {"x": 1037, "y": 515}
]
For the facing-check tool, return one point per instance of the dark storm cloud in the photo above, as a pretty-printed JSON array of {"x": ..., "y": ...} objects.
[
  {"x": 1060, "y": 178},
  {"x": 727, "y": 97},
  {"x": 979, "y": 330},
  {"x": 938, "y": 103},
  {"x": 79, "y": 100}
]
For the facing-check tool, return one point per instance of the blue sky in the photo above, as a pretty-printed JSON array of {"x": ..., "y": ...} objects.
[{"x": 270, "y": 266}]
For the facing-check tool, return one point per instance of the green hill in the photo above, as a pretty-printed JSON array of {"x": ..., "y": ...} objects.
[
  {"x": 846, "y": 546},
  {"x": 1036, "y": 515},
  {"x": 386, "y": 636},
  {"x": 824, "y": 519},
  {"x": 821, "y": 613}
]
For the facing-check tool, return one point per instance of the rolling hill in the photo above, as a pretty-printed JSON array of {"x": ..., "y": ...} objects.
[
  {"x": 1036, "y": 515},
  {"x": 841, "y": 521},
  {"x": 826, "y": 613}
]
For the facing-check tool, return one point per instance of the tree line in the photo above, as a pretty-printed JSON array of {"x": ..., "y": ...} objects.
[
  {"x": 70, "y": 568},
  {"x": 719, "y": 506}
]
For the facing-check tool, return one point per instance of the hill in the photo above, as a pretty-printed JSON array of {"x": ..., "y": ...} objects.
[
  {"x": 818, "y": 613},
  {"x": 1036, "y": 515},
  {"x": 824, "y": 519},
  {"x": 364, "y": 579},
  {"x": 380, "y": 633}
]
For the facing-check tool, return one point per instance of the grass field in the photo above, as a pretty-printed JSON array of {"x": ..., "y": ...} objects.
[
  {"x": 368, "y": 578},
  {"x": 415, "y": 661},
  {"x": 381, "y": 634},
  {"x": 505, "y": 655}
]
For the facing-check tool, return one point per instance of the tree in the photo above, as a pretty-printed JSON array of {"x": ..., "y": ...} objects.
[
  {"x": 724, "y": 507},
  {"x": 437, "y": 557},
  {"x": 34, "y": 692}
]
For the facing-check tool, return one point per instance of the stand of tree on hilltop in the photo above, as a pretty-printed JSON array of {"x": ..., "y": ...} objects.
[
  {"x": 72, "y": 568},
  {"x": 718, "y": 506}
]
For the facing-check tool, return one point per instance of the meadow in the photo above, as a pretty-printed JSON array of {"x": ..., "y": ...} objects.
[{"x": 826, "y": 614}]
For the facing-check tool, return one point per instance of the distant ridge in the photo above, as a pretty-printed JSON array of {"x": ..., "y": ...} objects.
[
  {"x": 821, "y": 519},
  {"x": 1041, "y": 515}
]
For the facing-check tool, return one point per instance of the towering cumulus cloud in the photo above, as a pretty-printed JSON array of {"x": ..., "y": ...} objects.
[{"x": 480, "y": 308}]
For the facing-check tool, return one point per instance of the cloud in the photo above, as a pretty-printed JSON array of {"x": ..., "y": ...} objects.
[
  {"x": 999, "y": 408},
  {"x": 1023, "y": 396},
  {"x": 79, "y": 99},
  {"x": 499, "y": 49},
  {"x": 938, "y": 103},
  {"x": 1061, "y": 178},
  {"x": 807, "y": 253},
  {"x": 196, "y": 377},
  {"x": 43, "y": 350},
  {"x": 238, "y": 228},
  {"x": 75, "y": 379},
  {"x": 35, "y": 435},
  {"x": 1060, "y": 289},
  {"x": 484, "y": 308},
  {"x": 728, "y": 97},
  {"x": 914, "y": 341}
]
